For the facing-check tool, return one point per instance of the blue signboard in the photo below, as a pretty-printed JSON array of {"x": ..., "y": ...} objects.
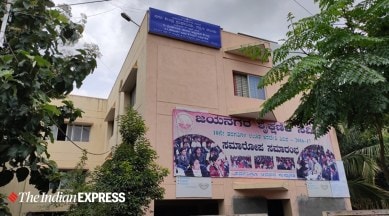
[{"x": 183, "y": 28}]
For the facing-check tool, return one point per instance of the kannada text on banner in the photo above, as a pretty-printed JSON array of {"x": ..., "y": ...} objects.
[{"x": 208, "y": 145}]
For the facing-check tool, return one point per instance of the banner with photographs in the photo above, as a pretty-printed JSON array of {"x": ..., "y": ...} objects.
[{"x": 208, "y": 145}]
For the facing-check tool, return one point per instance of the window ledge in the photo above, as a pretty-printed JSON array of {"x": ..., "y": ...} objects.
[
  {"x": 280, "y": 186},
  {"x": 252, "y": 113},
  {"x": 244, "y": 50}
]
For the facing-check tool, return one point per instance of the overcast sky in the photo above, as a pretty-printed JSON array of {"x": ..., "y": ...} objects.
[{"x": 105, "y": 27}]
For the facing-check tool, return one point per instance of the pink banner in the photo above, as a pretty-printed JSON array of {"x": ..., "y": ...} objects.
[{"x": 208, "y": 145}]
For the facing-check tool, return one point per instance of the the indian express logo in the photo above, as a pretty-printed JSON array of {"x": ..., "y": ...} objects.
[{"x": 82, "y": 197}]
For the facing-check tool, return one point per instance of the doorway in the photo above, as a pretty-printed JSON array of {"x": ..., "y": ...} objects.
[
  {"x": 186, "y": 207},
  {"x": 275, "y": 207}
]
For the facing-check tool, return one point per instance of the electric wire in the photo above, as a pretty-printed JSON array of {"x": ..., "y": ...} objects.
[
  {"x": 303, "y": 7},
  {"x": 96, "y": 14},
  {"x": 335, "y": 24},
  {"x": 81, "y": 3}
]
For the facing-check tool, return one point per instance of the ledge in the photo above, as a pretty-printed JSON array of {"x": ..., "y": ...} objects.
[
  {"x": 278, "y": 186},
  {"x": 110, "y": 115},
  {"x": 130, "y": 81},
  {"x": 245, "y": 50},
  {"x": 252, "y": 113}
]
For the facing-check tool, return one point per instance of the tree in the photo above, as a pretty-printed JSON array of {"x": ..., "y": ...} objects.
[
  {"x": 4, "y": 210},
  {"x": 341, "y": 73},
  {"x": 360, "y": 155},
  {"x": 37, "y": 64},
  {"x": 132, "y": 170}
]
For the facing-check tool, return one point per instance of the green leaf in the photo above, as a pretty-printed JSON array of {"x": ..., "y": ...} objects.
[
  {"x": 51, "y": 110},
  {"x": 5, "y": 177},
  {"x": 40, "y": 149},
  {"x": 26, "y": 4},
  {"x": 13, "y": 150},
  {"x": 49, "y": 3},
  {"x": 52, "y": 164},
  {"x": 22, "y": 173},
  {"x": 41, "y": 61},
  {"x": 26, "y": 54},
  {"x": 62, "y": 18},
  {"x": 6, "y": 73},
  {"x": 6, "y": 59}
]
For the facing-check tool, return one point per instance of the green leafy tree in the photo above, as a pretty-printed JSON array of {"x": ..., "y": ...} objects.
[
  {"x": 37, "y": 64},
  {"x": 132, "y": 170},
  {"x": 4, "y": 210},
  {"x": 341, "y": 73},
  {"x": 360, "y": 156}
]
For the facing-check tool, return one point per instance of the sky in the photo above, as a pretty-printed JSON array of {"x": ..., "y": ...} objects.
[{"x": 114, "y": 35}]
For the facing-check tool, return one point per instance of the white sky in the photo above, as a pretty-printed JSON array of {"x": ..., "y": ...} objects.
[{"x": 105, "y": 27}]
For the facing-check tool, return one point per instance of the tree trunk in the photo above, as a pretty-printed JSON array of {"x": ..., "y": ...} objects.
[{"x": 382, "y": 160}]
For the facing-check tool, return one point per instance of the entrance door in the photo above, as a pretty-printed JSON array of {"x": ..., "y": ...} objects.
[{"x": 275, "y": 207}]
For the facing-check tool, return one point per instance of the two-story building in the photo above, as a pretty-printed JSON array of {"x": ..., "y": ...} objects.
[{"x": 196, "y": 87}]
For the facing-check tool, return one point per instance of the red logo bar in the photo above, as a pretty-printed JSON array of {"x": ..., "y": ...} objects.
[{"x": 13, "y": 197}]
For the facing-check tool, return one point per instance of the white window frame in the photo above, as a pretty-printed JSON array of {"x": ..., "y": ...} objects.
[
  {"x": 70, "y": 132},
  {"x": 245, "y": 85}
]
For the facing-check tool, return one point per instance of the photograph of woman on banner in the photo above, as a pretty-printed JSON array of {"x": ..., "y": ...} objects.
[
  {"x": 218, "y": 166},
  {"x": 316, "y": 164},
  {"x": 197, "y": 170},
  {"x": 198, "y": 155},
  {"x": 213, "y": 153}
]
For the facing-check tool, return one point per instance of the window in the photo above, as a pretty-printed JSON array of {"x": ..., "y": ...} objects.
[
  {"x": 110, "y": 119},
  {"x": 247, "y": 86},
  {"x": 78, "y": 133},
  {"x": 63, "y": 183},
  {"x": 133, "y": 96},
  {"x": 129, "y": 87},
  {"x": 110, "y": 128}
]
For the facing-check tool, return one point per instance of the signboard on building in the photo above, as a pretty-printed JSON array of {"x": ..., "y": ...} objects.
[
  {"x": 319, "y": 189},
  {"x": 208, "y": 145},
  {"x": 330, "y": 188},
  {"x": 183, "y": 28},
  {"x": 193, "y": 187}
]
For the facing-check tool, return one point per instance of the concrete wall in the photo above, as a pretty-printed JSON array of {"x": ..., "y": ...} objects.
[{"x": 310, "y": 206}]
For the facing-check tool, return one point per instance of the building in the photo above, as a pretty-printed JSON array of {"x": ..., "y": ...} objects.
[{"x": 193, "y": 83}]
